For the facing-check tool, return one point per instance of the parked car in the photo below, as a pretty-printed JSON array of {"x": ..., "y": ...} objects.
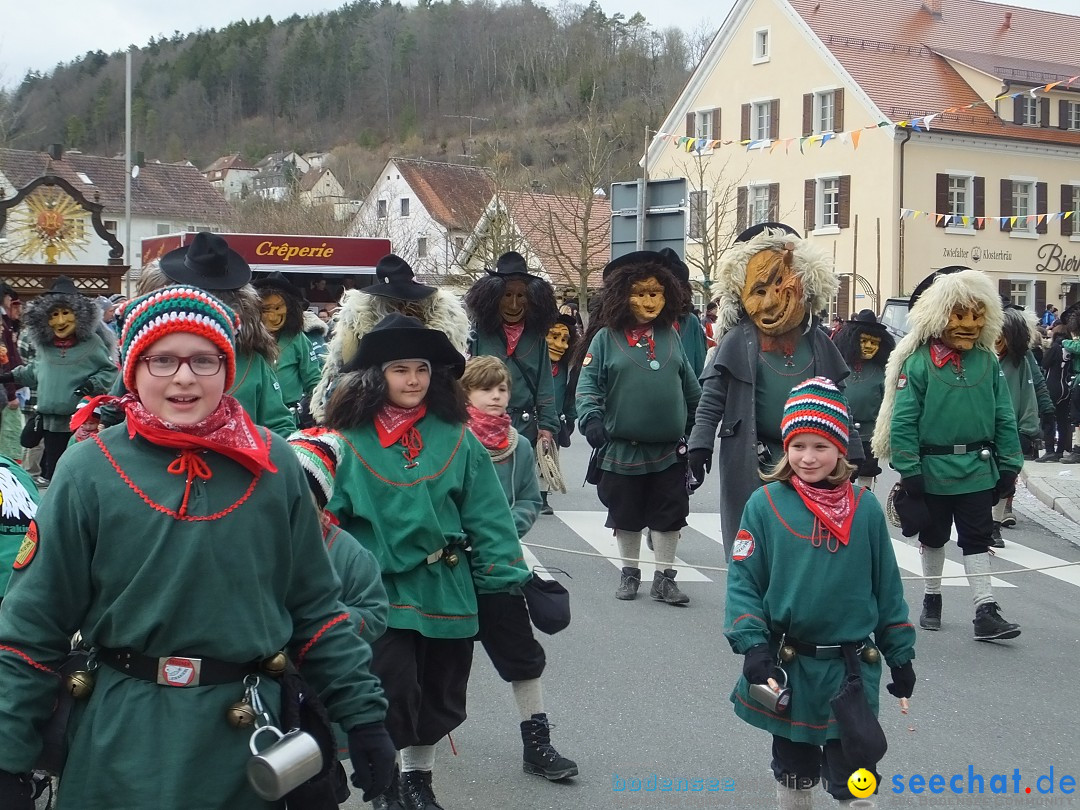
[{"x": 894, "y": 315}]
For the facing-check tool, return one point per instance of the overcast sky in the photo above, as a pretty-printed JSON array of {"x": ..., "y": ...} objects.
[{"x": 36, "y": 37}]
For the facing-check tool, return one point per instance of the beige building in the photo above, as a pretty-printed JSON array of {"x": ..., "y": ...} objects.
[{"x": 823, "y": 104}]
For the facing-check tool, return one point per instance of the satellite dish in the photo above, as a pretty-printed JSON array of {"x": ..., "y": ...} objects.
[{"x": 134, "y": 172}]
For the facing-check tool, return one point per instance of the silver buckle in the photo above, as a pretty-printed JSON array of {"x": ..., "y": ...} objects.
[
  {"x": 178, "y": 671},
  {"x": 959, "y": 449}
]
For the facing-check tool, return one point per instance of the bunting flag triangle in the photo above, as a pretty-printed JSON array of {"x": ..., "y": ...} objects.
[
  {"x": 801, "y": 142},
  {"x": 826, "y": 137},
  {"x": 904, "y": 213},
  {"x": 1068, "y": 214},
  {"x": 1040, "y": 219},
  {"x": 855, "y": 135},
  {"x": 938, "y": 218},
  {"x": 1012, "y": 222},
  {"x": 964, "y": 221},
  {"x": 980, "y": 221}
]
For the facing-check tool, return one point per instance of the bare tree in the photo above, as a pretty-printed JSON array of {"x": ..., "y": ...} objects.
[{"x": 290, "y": 215}]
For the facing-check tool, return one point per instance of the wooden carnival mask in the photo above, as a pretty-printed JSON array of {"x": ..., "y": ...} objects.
[
  {"x": 273, "y": 312},
  {"x": 62, "y": 322},
  {"x": 964, "y": 327},
  {"x": 646, "y": 300},
  {"x": 773, "y": 295},
  {"x": 558, "y": 341},
  {"x": 869, "y": 345},
  {"x": 512, "y": 305}
]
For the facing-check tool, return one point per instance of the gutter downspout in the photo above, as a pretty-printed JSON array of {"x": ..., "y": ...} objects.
[{"x": 903, "y": 223}]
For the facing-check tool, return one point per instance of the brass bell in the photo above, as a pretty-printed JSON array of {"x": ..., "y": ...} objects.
[
  {"x": 79, "y": 684},
  {"x": 274, "y": 665},
  {"x": 451, "y": 558},
  {"x": 241, "y": 714},
  {"x": 871, "y": 655},
  {"x": 787, "y": 654}
]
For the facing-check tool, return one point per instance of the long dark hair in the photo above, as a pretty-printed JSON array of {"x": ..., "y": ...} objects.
[
  {"x": 482, "y": 302},
  {"x": 1017, "y": 334},
  {"x": 359, "y": 395},
  {"x": 847, "y": 341},
  {"x": 294, "y": 309}
]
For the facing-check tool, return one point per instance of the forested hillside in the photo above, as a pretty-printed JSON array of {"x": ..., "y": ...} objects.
[{"x": 441, "y": 79}]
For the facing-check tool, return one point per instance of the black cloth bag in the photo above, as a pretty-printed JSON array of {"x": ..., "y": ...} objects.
[
  {"x": 549, "y": 604},
  {"x": 33, "y": 431},
  {"x": 861, "y": 737}
]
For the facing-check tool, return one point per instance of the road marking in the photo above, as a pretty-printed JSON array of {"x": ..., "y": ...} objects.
[
  {"x": 589, "y": 526},
  {"x": 1030, "y": 558},
  {"x": 535, "y": 564},
  {"x": 908, "y": 558},
  {"x": 706, "y": 523}
]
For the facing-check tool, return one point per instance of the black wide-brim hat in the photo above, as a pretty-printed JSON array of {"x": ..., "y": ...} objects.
[
  {"x": 63, "y": 285},
  {"x": 278, "y": 283},
  {"x": 400, "y": 337},
  {"x": 635, "y": 257},
  {"x": 754, "y": 230},
  {"x": 868, "y": 323},
  {"x": 510, "y": 265},
  {"x": 924, "y": 285},
  {"x": 396, "y": 281},
  {"x": 207, "y": 263},
  {"x": 675, "y": 264}
]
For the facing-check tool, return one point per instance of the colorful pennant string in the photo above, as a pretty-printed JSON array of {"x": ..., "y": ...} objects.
[{"x": 965, "y": 221}]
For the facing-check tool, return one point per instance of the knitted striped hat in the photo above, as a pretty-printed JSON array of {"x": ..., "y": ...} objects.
[
  {"x": 171, "y": 310},
  {"x": 817, "y": 406},
  {"x": 318, "y": 450}
]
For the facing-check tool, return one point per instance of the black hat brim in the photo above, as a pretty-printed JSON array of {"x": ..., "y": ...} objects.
[
  {"x": 235, "y": 274},
  {"x": 634, "y": 257},
  {"x": 388, "y": 344},
  {"x": 281, "y": 285},
  {"x": 755, "y": 230},
  {"x": 400, "y": 291},
  {"x": 924, "y": 285}
]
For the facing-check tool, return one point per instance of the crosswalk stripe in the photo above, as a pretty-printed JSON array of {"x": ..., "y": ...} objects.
[
  {"x": 1030, "y": 558},
  {"x": 706, "y": 523},
  {"x": 533, "y": 562},
  {"x": 589, "y": 526},
  {"x": 908, "y": 558}
]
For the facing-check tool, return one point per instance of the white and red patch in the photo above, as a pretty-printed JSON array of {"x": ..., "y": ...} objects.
[
  {"x": 901, "y": 382},
  {"x": 587, "y": 360},
  {"x": 743, "y": 547},
  {"x": 177, "y": 672},
  {"x": 28, "y": 549}
]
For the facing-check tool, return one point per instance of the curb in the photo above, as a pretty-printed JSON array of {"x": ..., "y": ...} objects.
[{"x": 1066, "y": 506}]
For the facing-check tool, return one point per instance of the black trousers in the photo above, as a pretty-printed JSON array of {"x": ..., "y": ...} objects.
[
  {"x": 1062, "y": 425},
  {"x": 55, "y": 445},
  {"x": 658, "y": 501},
  {"x": 425, "y": 681},
  {"x": 973, "y": 517},
  {"x": 507, "y": 636},
  {"x": 813, "y": 762}
]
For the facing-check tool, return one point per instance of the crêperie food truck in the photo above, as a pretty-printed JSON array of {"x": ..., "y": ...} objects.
[{"x": 322, "y": 266}]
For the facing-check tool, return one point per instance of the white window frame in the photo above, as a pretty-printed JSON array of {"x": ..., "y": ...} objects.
[
  {"x": 1027, "y": 230},
  {"x": 757, "y": 197},
  {"x": 703, "y": 124},
  {"x": 819, "y": 105},
  {"x": 1021, "y": 292},
  {"x": 114, "y": 223},
  {"x": 1073, "y": 111},
  {"x": 760, "y": 112},
  {"x": 1075, "y": 218},
  {"x": 1030, "y": 116},
  {"x": 422, "y": 247},
  {"x": 820, "y": 226},
  {"x": 164, "y": 228},
  {"x": 404, "y": 207},
  {"x": 382, "y": 207},
  {"x": 762, "y": 43},
  {"x": 969, "y": 206}
]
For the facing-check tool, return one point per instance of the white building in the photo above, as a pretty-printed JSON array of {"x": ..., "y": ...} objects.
[{"x": 230, "y": 175}]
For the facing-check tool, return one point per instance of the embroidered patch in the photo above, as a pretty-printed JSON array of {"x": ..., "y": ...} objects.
[
  {"x": 177, "y": 672},
  {"x": 28, "y": 549},
  {"x": 744, "y": 546},
  {"x": 901, "y": 382},
  {"x": 587, "y": 360}
]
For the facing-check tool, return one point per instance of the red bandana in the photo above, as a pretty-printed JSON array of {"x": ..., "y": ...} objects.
[
  {"x": 492, "y": 431},
  {"x": 834, "y": 507},
  {"x": 513, "y": 332},
  {"x": 940, "y": 354},
  {"x": 555, "y": 368},
  {"x": 394, "y": 424},
  {"x": 64, "y": 343}
]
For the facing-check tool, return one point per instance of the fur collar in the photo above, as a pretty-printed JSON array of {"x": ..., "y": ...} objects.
[{"x": 36, "y": 316}]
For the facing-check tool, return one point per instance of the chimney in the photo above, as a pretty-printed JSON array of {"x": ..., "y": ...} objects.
[
  {"x": 56, "y": 151},
  {"x": 934, "y": 7}
]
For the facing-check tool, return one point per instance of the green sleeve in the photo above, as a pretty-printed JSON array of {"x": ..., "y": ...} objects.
[
  {"x": 545, "y": 393},
  {"x": 569, "y": 405},
  {"x": 1072, "y": 346},
  {"x": 106, "y": 372},
  {"x": 310, "y": 368},
  {"x": 1006, "y": 437},
  {"x": 525, "y": 506},
  {"x": 894, "y": 634},
  {"x": 26, "y": 374},
  {"x": 496, "y": 558},
  {"x": 45, "y": 604},
  {"x": 1042, "y": 393},
  {"x": 272, "y": 412},
  {"x": 592, "y": 382},
  {"x": 907, "y": 413},
  {"x": 691, "y": 391},
  {"x": 693, "y": 340},
  {"x": 362, "y": 588},
  {"x": 747, "y": 582}
]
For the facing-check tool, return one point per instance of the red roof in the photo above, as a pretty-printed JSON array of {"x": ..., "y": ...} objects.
[
  {"x": 894, "y": 51},
  {"x": 454, "y": 195}
]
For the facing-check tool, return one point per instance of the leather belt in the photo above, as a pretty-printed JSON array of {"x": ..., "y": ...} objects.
[
  {"x": 954, "y": 449},
  {"x": 821, "y": 650},
  {"x": 177, "y": 670}
]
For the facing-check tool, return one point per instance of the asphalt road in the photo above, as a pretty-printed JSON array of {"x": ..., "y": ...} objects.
[{"x": 640, "y": 688}]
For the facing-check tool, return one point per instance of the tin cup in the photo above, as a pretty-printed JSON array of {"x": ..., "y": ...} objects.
[
  {"x": 777, "y": 701},
  {"x": 285, "y": 765}
]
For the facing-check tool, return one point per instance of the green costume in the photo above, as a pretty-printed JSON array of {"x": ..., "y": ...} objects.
[
  {"x": 242, "y": 574},
  {"x": 297, "y": 369},
  {"x": 643, "y": 416},
  {"x": 1022, "y": 393},
  {"x": 865, "y": 390},
  {"x": 19, "y": 497},
  {"x": 564, "y": 403},
  {"x": 362, "y": 590},
  {"x": 258, "y": 390},
  {"x": 55, "y": 373},
  {"x": 451, "y": 498},
  {"x": 942, "y": 407},
  {"x": 517, "y": 476},
  {"x": 693, "y": 340},
  {"x": 529, "y": 371},
  {"x": 828, "y": 593},
  {"x": 777, "y": 374}
]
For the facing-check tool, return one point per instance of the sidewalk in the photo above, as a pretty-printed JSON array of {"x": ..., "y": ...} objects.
[{"x": 1056, "y": 485}]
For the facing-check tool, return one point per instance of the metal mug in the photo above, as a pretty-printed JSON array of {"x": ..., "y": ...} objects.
[
  {"x": 285, "y": 765},
  {"x": 778, "y": 701}
]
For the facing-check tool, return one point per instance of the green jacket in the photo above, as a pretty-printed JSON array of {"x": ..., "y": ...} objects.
[
  {"x": 531, "y": 370},
  {"x": 564, "y": 403},
  {"x": 19, "y": 496},
  {"x": 1072, "y": 346},
  {"x": 258, "y": 390},
  {"x": 646, "y": 411},
  {"x": 298, "y": 369},
  {"x": 781, "y": 581},
  {"x": 243, "y": 574},
  {"x": 55, "y": 373},
  {"x": 865, "y": 390},
  {"x": 362, "y": 589},
  {"x": 517, "y": 476},
  {"x": 1022, "y": 393},
  {"x": 939, "y": 407},
  {"x": 451, "y": 498},
  {"x": 693, "y": 340}
]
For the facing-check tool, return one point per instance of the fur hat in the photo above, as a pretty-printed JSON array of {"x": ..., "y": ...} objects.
[
  {"x": 929, "y": 316},
  {"x": 813, "y": 267},
  {"x": 817, "y": 406},
  {"x": 318, "y": 451},
  {"x": 63, "y": 293}
]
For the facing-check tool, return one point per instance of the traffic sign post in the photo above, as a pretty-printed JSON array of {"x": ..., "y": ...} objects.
[{"x": 664, "y": 205}]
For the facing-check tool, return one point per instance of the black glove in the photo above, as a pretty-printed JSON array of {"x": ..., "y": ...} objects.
[
  {"x": 15, "y": 792},
  {"x": 1006, "y": 485},
  {"x": 758, "y": 664},
  {"x": 700, "y": 462},
  {"x": 595, "y": 433},
  {"x": 1027, "y": 446},
  {"x": 6, "y": 378},
  {"x": 903, "y": 681},
  {"x": 372, "y": 753},
  {"x": 84, "y": 390},
  {"x": 915, "y": 486}
]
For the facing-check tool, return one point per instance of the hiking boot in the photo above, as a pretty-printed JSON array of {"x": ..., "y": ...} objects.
[
  {"x": 664, "y": 588},
  {"x": 629, "y": 584},
  {"x": 989, "y": 626},
  {"x": 995, "y": 537},
  {"x": 545, "y": 507},
  {"x": 540, "y": 756},
  {"x": 930, "y": 619},
  {"x": 1072, "y": 457},
  {"x": 1010, "y": 519},
  {"x": 416, "y": 792},
  {"x": 391, "y": 800},
  {"x": 1048, "y": 457}
]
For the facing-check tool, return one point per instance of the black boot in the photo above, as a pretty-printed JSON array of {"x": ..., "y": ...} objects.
[
  {"x": 391, "y": 800},
  {"x": 995, "y": 537},
  {"x": 1047, "y": 457},
  {"x": 664, "y": 588},
  {"x": 540, "y": 756},
  {"x": 931, "y": 612},
  {"x": 628, "y": 585},
  {"x": 545, "y": 507},
  {"x": 989, "y": 626},
  {"x": 416, "y": 792}
]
